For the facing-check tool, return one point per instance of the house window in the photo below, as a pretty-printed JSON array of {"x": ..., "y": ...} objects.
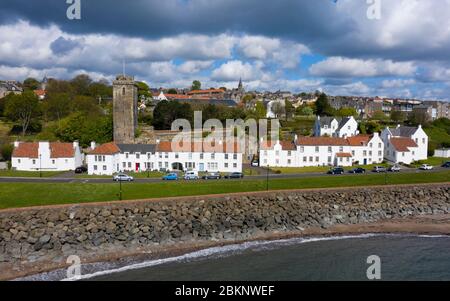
[
  {"x": 126, "y": 155},
  {"x": 190, "y": 156},
  {"x": 226, "y": 156},
  {"x": 53, "y": 161},
  {"x": 330, "y": 149},
  {"x": 149, "y": 155},
  {"x": 160, "y": 155},
  {"x": 18, "y": 161},
  {"x": 424, "y": 141},
  {"x": 302, "y": 149},
  {"x": 124, "y": 164},
  {"x": 202, "y": 156},
  {"x": 265, "y": 153},
  {"x": 129, "y": 164},
  {"x": 213, "y": 156},
  {"x": 235, "y": 156},
  {"x": 234, "y": 165},
  {"x": 341, "y": 149},
  {"x": 370, "y": 153},
  {"x": 380, "y": 153},
  {"x": 138, "y": 156},
  {"x": 277, "y": 162},
  {"x": 317, "y": 149},
  {"x": 379, "y": 145},
  {"x": 353, "y": 153},
  {"x": 177, "y": 156},
  {"x": 364, "y": 153},
  {"x": 329, "y": 159},
  {"x": 305, "y": 159},
  {"x": 317, "y": 159},
  {"x": 289, "y": 153},
  {"x": 34, "y": 162},
  {"x": 104, "y": 158},
  {"x": 166, "y": 165},
  {"x": 160, "y": 164},
  {"x": 311, "y": 159},
  {"x": 226, "y": 165},
  {"x": 289, "y": 161},
  {"x": 403, "y": 154},
  {"x": 371, "y": 145},
  {"x": 166, "y": 155},
  {"x": 104, "y": 167},
  {"x": 95, "y": 167}
]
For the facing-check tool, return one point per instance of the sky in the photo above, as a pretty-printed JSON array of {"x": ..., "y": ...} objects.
[{"x": 296, "y": 45}]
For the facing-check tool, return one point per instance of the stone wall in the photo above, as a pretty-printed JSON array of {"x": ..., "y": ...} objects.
[{"x": 50, "y": 233}]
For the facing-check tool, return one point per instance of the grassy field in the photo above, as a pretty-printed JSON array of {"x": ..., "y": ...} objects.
[
  {"x": 25, "y": 194},
  {"x": 28, "y": 174}
]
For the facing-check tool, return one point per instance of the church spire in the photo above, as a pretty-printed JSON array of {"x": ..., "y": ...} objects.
[{"x": 241, "y": 86}]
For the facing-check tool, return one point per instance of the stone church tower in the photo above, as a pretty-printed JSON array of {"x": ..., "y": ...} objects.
[{"x": 125, "y": 97}]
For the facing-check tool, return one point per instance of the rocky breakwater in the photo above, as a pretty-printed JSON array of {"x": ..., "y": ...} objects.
[{"x": 50, "y": 234}]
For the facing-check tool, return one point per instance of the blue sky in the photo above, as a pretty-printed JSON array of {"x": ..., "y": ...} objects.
[{"x": 297, "y": 45}]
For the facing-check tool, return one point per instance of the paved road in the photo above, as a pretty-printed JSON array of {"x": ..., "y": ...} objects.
[{"x": 155, "y": 180}]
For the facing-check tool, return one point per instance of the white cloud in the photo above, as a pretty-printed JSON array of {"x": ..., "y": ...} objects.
[
  {"x": 232, "y": 70},
  {"x": 346, "y": 67},
  {"x": 397, "y": 83}
]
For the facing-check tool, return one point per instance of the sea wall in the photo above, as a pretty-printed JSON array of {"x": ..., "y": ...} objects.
[{"x": 53, "y": 233}]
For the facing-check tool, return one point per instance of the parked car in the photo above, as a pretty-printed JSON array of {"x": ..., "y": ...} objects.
[
  {"x": 235, "y": 175},
  {"x": 255, "y": 163},
  {"x": 426, "y": 167},
  {"x": 394, "y": 168},
  {"x": 123, "y": 178},
  {"x": 336, "y": 171},
  {"x": 379, "y": 169},
  {"x": 170, "y": 177},
  {"x": 358, "y": 170},
  {"x": 191, "y": 175},
  {"x": 446, "y": 165},
  {"x": 212, "y": 176},
  {"x": 81, "y": 169}
]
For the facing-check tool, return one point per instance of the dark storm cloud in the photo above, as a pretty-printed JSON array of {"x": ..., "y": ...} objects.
[
  {"x": 62, "y": 46},
  {"x": 303, "y": 20}
]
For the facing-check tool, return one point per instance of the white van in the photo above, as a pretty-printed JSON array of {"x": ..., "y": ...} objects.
[{"x": 191, "y": 175}]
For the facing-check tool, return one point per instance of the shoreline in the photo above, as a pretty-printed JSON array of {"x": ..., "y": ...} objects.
[{"x": 419, "y": 225}]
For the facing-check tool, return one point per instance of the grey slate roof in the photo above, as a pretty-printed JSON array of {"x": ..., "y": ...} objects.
[
  {"x": 137, "y": 148},
  {"x": 343, "y": 122},
  {"x": 403, "y": 131},
  {"x": 326, "y": 121}
]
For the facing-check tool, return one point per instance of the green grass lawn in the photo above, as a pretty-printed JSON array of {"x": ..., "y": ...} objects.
[
  {"x": 28, "y": 174},
  {"x": 31, "y": 194}
]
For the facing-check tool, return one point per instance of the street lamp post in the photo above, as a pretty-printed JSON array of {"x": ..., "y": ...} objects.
[
  {"x": 267, "y": 181},
  {"x": 40, "y": 165}
]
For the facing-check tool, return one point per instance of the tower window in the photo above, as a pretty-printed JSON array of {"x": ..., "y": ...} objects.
[{"x": 123, "y": 91}]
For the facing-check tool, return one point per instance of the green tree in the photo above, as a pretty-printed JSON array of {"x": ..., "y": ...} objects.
[
  {"x": 31, "y": 84},
  {"x": 419, "y": 118},
  {"x": 57, "y": 106},
  {"x": 196, "y": 85},
  {"x": 260, "y": 110},
  {"x": 172, "y": 91},
  {"x": 81, "y": 83},
  {"x": 398, "y": 116},
  {"x": 168, "y": 111},
  {"x": 380, "y": 116},
  {"x": 323, "y": 107},
  {"x": 6, "y": 151},
  {"x": 372, "y": 127},
  {"x": 305, "y": 111},
  {"x": 347, "y": 112},
  {"x": 86, "y": 105},
  {"x": 143, "y": 90},
  {"x": 288, "y": 109},
  {"x": 100, "y": 90},
  {"x": 22, "y": 108}
]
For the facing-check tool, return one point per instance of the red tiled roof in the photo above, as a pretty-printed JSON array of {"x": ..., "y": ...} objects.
[
  {"x": 177, "y": 96},
  {"x": 360, "y": 140},
  {"x": 206, "y": 91},
  {"x": 344, "y": 155},
  {"x": 403, "y": 144},
  {"x": 106, "y": 149},
  {"x": 285, "y": 145},
  {"x": 61, "y": 150},
  {"x": 31, "y": 150},
  {"x": 27, "y": 150},
  {"x": 322, "y": 141},
  {"x": 40, "y": 92}
]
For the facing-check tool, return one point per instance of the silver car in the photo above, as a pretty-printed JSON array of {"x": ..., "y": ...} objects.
[{"x": 123, "y": 178}]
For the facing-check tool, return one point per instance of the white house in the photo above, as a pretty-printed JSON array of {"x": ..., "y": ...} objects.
[
  {"x": 325, "y": 126},
  {"x": 331, "y": 127},
  {"x": 46, "y": 156},
  {"x": 111, "y": 158},
  {"x": 442, "y": 153},
  {"x": 160, "y": 97},
  {"x": 405, "y": 144},
  {"x": 323, "y": 151}
]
